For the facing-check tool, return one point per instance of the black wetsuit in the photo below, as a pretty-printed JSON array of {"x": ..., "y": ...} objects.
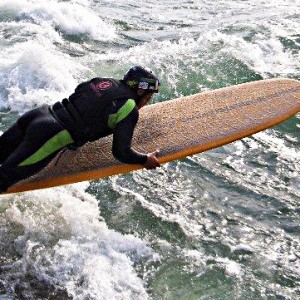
[{"x": 97, "y": 108}]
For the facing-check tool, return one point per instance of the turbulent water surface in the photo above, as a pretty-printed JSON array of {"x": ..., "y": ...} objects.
[{"x": 223, "y": 224}]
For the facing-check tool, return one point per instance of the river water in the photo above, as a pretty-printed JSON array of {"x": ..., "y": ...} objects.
[{"x": 223, "y": 224}]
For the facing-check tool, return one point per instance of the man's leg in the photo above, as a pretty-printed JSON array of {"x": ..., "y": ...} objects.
[
  {"x": 9, "y": 141},
  {"x": 43, "y": 139}
]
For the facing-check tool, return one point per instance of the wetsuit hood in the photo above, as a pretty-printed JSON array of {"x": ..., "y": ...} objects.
[{"x": 138, "y": 77}]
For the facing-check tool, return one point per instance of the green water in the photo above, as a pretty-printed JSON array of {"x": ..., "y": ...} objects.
[{"x": 223, "y": 224}]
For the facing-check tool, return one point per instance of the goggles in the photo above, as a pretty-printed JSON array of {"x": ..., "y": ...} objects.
[{"x": 149, "y": 84}]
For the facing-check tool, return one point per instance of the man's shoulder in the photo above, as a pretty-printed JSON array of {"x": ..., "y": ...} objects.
[
  {"x": 129, "y": 103},
  {"x": 111, "y": 85}
]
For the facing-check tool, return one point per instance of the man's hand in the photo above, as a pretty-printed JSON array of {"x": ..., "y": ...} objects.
[{"x": 152, "y": 162}]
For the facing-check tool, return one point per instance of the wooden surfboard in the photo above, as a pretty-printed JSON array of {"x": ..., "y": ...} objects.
[{"x": 179, "y": 128}]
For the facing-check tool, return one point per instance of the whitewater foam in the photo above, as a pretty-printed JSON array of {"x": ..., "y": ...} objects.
[
  {"x": 34, "y": 75},
  {"x": 62, "y": 242},
  {"x": 228, "y": 218},
  {"x": 69, "y": 18}
]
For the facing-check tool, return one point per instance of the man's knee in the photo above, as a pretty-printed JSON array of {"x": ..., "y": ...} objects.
[{"x": 4, "y": 185}]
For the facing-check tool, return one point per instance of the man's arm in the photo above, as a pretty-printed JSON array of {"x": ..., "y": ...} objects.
[{"x": 122, "y": 137}]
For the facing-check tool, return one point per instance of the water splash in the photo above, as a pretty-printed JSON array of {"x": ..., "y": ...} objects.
[{"x": 63, "y": 244}]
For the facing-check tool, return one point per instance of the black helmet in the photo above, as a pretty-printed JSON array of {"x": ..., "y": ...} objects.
[{"x": 140, "y": 78}]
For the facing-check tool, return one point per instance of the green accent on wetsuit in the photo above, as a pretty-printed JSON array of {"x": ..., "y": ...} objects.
[
  {"x": 121, "y": 114},
  {"x": 60, "y": 140}
]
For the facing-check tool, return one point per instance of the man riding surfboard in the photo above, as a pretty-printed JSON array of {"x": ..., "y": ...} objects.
[{"x": 98, "y": 107}]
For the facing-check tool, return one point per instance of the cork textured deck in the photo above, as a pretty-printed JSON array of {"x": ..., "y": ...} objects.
[{"x": 179, "y": 128}]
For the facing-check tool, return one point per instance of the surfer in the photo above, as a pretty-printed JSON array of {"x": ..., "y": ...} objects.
[{"x": 97, "y": 108}]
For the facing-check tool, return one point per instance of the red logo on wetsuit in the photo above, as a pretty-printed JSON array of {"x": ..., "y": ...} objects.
[{"x": 104, "y": 85}]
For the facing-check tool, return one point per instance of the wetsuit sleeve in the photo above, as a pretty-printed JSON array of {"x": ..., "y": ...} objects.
[{"x": 122, "y": 137}]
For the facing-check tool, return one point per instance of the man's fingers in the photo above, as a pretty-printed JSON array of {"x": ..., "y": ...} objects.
[{"x": 152, "y": 161}]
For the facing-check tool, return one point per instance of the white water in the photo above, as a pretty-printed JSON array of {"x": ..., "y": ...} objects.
[
  {"x": 243, "y": 197},
  {"x": 62, "y": 241}
]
